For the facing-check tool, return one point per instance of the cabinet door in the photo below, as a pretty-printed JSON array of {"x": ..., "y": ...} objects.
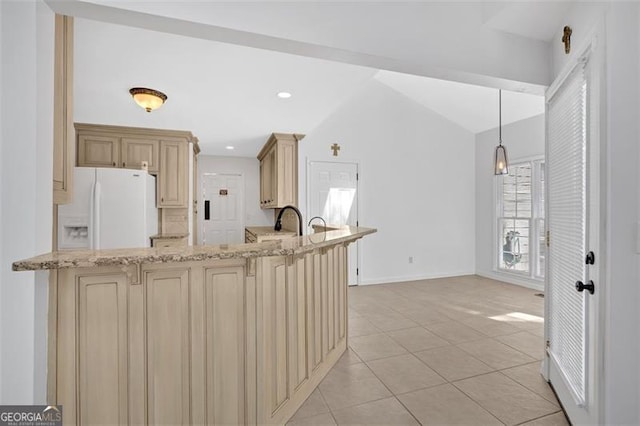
[
  {"x": 102, "y": 349},
  {"x": 275, "y": 338},
  {"x": 64, "y": 140},
  {"x": 262, "y": 182},
  {"x": 98, "y": 151},
  {"x": 135, "y": 151},
  {"x": 270, "y": 179},
  {"x": 224, "y": 326},
  {"x": 168, "y": 360},
  {"x": 172, "y": 176},
  {"x": 286, "y": 178}
]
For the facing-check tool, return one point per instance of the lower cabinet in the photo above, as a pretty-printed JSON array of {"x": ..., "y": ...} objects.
[
  {"x": 167, "y": 340},
  {"x": 167, "y": 350},
  {"x": 222, "y": 342},
  {"x": 301, "y": 327}
]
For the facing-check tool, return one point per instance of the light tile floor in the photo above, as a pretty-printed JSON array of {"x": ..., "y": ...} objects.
[{"x": 449, "y": 351}]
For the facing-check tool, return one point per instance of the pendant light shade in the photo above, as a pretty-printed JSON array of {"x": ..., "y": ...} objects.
[
  {"x": 501, "y": 161},
  {"x": 149, "y": 99}
]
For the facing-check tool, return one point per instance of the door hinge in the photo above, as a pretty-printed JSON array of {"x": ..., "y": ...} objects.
[
  {"x": 357, "y": 176},
  {"x": 357, "y": 271},
  {"x": 357, "y": 223},
  {"x": 548, "y": 239},
  {"x": 548, "y": 344}
]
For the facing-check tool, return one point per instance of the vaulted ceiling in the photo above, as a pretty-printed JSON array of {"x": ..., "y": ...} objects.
[{"x": 226, "y": 92}]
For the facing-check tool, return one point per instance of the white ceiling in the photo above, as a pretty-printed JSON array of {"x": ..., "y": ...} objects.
[
  {"x": 226, "y": 94},
  {"x": 466, "y": 41},
  {"x": 539, "y": 20},
  {"x": 474, "y": 108}
]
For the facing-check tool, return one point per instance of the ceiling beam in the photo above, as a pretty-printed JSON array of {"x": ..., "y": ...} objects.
[{"x": 507, "y": 76}]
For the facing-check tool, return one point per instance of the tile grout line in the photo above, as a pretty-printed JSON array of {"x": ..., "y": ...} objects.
[
  {"x": 477, "y": 403},
  {"x": 518, "y": 384},
  {"x": 538, "y": 418},
  {"x": 428, "y": 303},
  {"x": 393, "y": 394}
]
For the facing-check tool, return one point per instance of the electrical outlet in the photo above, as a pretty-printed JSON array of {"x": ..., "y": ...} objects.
[{"x": 410, "y": 259}]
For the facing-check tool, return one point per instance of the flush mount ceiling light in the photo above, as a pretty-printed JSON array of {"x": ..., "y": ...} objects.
[
  {"x": 501, "y": 165},
  {"x": 284, "y": 95},
  {"x": 149, "y": 99}
]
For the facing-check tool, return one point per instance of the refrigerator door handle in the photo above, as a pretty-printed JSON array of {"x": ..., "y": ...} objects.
[
  {"x": 96, "y": 216},
  {"x": 206, "y": 210}
]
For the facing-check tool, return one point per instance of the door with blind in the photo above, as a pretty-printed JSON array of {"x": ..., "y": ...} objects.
[{"x": 572, "y": 284}]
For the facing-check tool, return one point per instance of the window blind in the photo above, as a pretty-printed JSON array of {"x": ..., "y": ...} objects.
[{"x": 566, "y": 180}]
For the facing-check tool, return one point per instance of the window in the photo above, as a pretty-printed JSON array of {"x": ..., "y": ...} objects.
[{"x": 520, "y": 219}]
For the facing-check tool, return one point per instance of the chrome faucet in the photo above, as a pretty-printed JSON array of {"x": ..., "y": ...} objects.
[{"x": 278, "y": 225}]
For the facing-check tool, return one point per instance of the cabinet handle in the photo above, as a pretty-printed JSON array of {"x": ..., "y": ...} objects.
[
  {"x": 114, "y": 164},
  {"x": 162, "y": 199},
  {"x": 123, "y": 164}
]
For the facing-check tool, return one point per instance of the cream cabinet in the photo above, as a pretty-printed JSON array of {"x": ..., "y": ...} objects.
[
  {"x": 167, "y": 342},
  {"x": 170, "y": 156},
  {"x": 98, "y": 151},
  {"x": 173, "y": 182},
  {"x": 63, "y": 136},
  {"x": 279, "y": 171},
  {"x": 162, "y": 345},
  {"x": 114, "y": 151},
  {"x": 136, "y": 151}
]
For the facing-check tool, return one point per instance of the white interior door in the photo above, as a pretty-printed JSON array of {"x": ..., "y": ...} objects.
[
  {"x": 223, "y": 208},
  {"x": 572, "y": 163},
  {"x": 333, "y": 195}
]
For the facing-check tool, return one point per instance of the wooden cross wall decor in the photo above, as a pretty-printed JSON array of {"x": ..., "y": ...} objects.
[
  {"x": 335, "y": 147},
  {"x": 566, "y": 39}
]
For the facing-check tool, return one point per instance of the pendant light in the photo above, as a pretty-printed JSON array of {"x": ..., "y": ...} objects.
[{"x": 501, "y": 164}]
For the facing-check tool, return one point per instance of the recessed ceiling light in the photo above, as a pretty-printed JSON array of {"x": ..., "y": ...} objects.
[
  {"x": 230, "y": 147},
  {"x": 284, "y": 95}
]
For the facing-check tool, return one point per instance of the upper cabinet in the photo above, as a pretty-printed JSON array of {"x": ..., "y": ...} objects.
[
  {"x": 137, "y": 151},
  {"x": 63, "y": 135},
  {"x": 279, "y": 171},
  {"x": 98, "y": 151},
  {"x": 166, "y": 153},
  {"x": 173, "y": 182}
]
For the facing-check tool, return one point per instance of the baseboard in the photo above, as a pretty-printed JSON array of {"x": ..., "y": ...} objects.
[
  {"x": 405, "y": 278},
  {"x": 510, "y": 279}
]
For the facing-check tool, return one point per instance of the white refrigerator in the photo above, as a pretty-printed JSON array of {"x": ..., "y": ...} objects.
[{"x": 112, "y": 208}]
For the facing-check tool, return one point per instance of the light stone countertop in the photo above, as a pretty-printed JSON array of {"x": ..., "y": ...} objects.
[
  {"x": 261, "y": 231},
  {"x": 116, "y": 257}
]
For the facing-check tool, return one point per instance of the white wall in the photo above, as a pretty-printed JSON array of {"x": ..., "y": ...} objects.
[
  {"x": 250, "y": 169},
  {"x": 26, "y": 170},
  {"x": 524, "y": 140},
  {"x": 2, "y": 344},
  {"x": 582, "y": 18},
  {"x": 622, "y": 392},
  {"x": 416, "y": 183}
]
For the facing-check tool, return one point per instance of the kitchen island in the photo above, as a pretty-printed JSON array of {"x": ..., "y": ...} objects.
[{"x": 229, "y": 334}]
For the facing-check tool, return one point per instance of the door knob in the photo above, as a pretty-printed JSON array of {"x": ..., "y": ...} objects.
[{"x": 590, "y": 287}]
